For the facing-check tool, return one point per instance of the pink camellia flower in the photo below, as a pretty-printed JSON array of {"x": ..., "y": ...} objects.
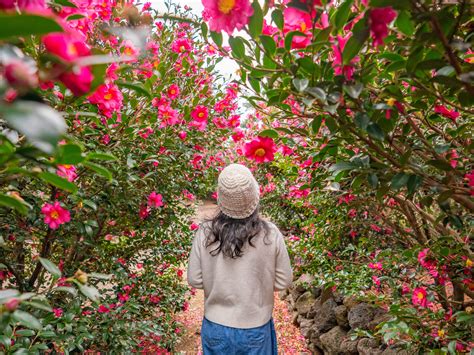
[
  {"x": 173, "y": 92},
  {"x": 261, "y": 149},
  {"x": 238, "y": 135},
  {"x": 144, "y": 212},
  {"x": 67, "y": 171},
  {"x": 103, "y": 309},
  {"x": 182, "y": 135},
  {"x": 31, "y": 5},
  {"x": 7, "y": 4},
  {"x": 376, "y": 280},
  {"x": 298, "y": 20},
  {"x": 65, "y": 46},
  {"x": 376, "y": 266},
  {"x": 55, "y": 215},
  {"x": 227, "y": 15},
  {"x": 337, "y": 63},
  {"x": 199, "y": 115},
  {"x": 167, "y": 115},
  {"x": 181, "y": 45},
  {"x": 380, "y": 18},
  {"x": 155, "y": 200},
  {"x": 193, "y": 226},
  {"x": 405, "y": 289},
  {"x": 58, "y": 312},
  {"x": 79, "y": 80},
  {"x": 443, "y": 111},
  {"x": 20, "y": 75},
  {"x": 108, "y": 99},
  {"x": 418, "y": 297},
  {"x": 11, "y": 304}
]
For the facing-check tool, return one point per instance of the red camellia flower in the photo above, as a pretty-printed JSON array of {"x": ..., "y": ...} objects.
[
  {"x": 380, "y": 18},
  {"x": 337, "y": 62},
  {"x": 443, "y": 111},
  {"x": 261, "y": 149},
  {"x": 20, "y": 75},
  {"x": 298, "y": 20},
  {"x": 55, "y": 215},
  {"x": 181, "y": 45},
  {"x": 193, "y": 226},
  {"x": 155, "y": 200},
  {"x": 108, "y": 99},
  {"x": 78, "y": 81},
  {"x": 227, "y": 15},
  {"x": 173, "y": 92},
  {"x": 199, "y": 115},
  {"x": 418, "y": 297}
]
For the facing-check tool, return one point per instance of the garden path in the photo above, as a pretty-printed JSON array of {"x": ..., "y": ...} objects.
[{"x": 290, "y": 340}]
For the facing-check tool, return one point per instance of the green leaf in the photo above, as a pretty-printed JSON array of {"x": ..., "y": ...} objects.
[
  {"x": 414, "y": 182},
  {"x": 65, "y": 3},
  {"x": 13, "y": 203},
  {"x": 256, "y": 20},
  {"x": 237, "y": 45},
  {"x": 70, "y": 290},
  {"x": 268, "y": 44},
  {"x": 342, "y": 13},
  {"x": 51, "y": 267},
  {"x": 136, "y": 86},
  {"x": 316, "y": 124},
  {"x": 217, "y": 38},
  {"x": 289, "y": 38},
  {"x": 69, "y": 154},
  {"x": 21, "y": 25},
  {"x": 27, "y": 320},
  {"x": 269, "y": 133},
  {"x": 440, "y": 164},
  {"x": 374, "y": 130},
  {"x": 42, "y": 125},
  {"x": 373, "y": 180},
  {"x": 300, "y": 84},
  {"x": 204, "y": 30},
  {"x": 25, "y": 332},
  {"x": 96, "y": 275},
  {"x": 39, "y": 304},
  {"x": 353, "y": 90},
  {"x": 5, "y": 295},
  {"x": 342, "y": 166},
  {"x": 75, "y": 17},
  {"x": 90, "y": 292},
  {"x": 277, "y": 17},
  {"x": 58, "y": 181},
  {"x": 101, "y": 156},
  {"x": 354, "y": 44},
  {"x": 361, "y": 119},
  {"x": 99, "y": 169},
  {"x": 404, "y": 23},
  {"x": 318, "y": 93},
  {"x": 331, "y": 124},
  {"x": 399, "y": 180}
]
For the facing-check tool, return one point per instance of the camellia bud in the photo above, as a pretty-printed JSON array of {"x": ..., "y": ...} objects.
[
  {"x": 12, "y": 304},
  {"x": 20, "y": 75},
  {"x": 7, "y": 4},
  {"x": 81, "y": 276}
]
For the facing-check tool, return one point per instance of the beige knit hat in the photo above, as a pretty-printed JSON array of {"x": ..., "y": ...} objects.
[{"x": 238, "y": 193}]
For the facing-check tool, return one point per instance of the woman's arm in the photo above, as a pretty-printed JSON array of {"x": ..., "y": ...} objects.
[
  {"x": 194, "y": 265},
  {"x": 283, "y": 271}
]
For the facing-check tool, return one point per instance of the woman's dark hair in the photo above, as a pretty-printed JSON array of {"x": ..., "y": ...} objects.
[{"x": 230, "y": 235}]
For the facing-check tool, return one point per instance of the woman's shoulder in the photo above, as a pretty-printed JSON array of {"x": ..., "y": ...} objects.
[{"x": 272, "y": 229}]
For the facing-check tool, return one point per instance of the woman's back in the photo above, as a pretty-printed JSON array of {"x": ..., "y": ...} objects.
[{"x": 239, "y": 291}]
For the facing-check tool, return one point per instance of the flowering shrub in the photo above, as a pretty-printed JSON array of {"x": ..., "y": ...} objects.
[
  {"x": 112, "y": 121},
  {"x": 370, "y": 107}
]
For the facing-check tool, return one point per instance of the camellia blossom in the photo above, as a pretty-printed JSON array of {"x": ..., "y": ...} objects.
[
  {"x": 173, "y": 92},
  {"x": 181, "y": 45},
  {"x": 337, "y": 62},
  {"x": 227, "y": 15},
  {"x": 55, "y": 215},
  {"x": 298, "y": 20},
  {"x": 155, "y": 200},
  {"x": 167, "y": 115},
  {"x": 108, "y": 99},
  {"x": 418, "y": 297},
  {"x": 261, "y": 149},
  {"x": 443, "y": 111},
  {"x": 199, "y": 115},
  {"x": 67, "y": 171},
  {"x": 380, "y": 18}
]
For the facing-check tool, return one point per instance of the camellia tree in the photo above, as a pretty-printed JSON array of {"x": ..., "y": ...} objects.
[
  {"x": 365, "y": 111},
  {"x": 112, "y": 122}
]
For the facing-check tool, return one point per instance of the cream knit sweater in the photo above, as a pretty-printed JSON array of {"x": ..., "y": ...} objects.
[{"x": 239, "y": 292}]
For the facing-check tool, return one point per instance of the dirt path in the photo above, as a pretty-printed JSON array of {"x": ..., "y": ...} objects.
[{"x": 290, "y": 340}]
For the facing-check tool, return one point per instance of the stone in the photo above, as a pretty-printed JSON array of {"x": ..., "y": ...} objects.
[
  {"x": 394, "y": 350},
  {"x": 324, "y": 318},
  {"x": 379, "y": 317},
  {"x": 315, "y": 333},
  {"x": 361, "y": 315},
  {"x": 294, "y": 319},
  {"x": 339, "y": 298},
  {"x": 304, "y": 302},
  {"x": 314, "y": 350},
  {"x": 367, "y": 346},
  {"x": 349, "y": 347},
  {"x": 301, "y": 285},
  {"x": 341, "y": 316},
  {"x": 331, "y": 341},
  {"x": 350, "y": 302},
  {"x": 316, "y": 291},
  {"x": 305, "y": 326},
  {"x": 283, "y": 294}
]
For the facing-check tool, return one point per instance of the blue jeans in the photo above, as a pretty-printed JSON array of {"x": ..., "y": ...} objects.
[{"x": 218, "y": 339}]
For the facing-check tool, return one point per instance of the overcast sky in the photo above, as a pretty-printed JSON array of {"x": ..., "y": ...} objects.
[{"x": 227, "y": 66}]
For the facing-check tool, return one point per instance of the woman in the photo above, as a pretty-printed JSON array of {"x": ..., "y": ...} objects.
[{"x": 239, "y": 260}]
